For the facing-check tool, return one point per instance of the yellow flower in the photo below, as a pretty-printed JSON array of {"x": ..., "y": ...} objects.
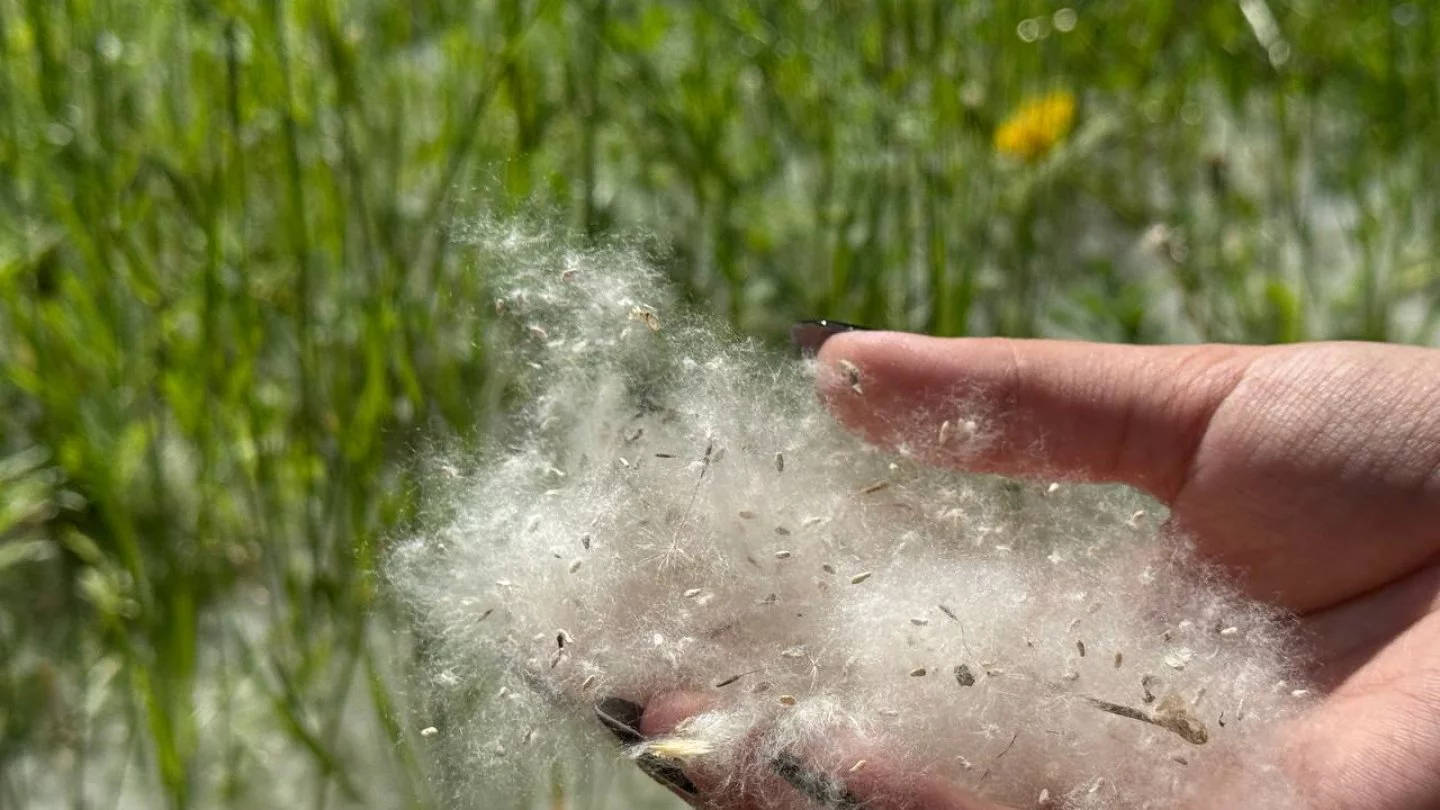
[{"x": 1037, "y": 126}]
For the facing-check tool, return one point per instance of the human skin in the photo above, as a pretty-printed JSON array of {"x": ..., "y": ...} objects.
[{"x": 1311, "y": 472}]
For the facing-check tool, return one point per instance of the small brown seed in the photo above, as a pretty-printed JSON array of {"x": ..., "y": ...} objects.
[
  {"x": 1146, "y": 682},
  {"x": 646, "y": 316}
]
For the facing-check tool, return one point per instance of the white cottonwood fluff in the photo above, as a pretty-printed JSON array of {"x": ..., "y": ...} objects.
[{"x": 674, "y": 509}]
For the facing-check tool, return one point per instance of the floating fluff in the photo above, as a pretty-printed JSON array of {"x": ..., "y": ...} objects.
[{"x": 671, "y": 509}]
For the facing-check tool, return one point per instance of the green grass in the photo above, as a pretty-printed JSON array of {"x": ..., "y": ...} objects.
[{"x": 233, "y": 307}]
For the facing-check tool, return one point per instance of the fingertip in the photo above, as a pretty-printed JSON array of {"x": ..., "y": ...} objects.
[
  {"x": 663, "y": 713},
  {"x": 846, "y": 777},
  {"x": 896, "y": 389}
]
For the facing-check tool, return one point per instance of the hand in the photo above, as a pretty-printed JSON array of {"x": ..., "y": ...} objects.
[{"x": 1311, "y": 471}]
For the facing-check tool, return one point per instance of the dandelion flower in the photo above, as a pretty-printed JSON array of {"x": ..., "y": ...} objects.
[{"x": 1036, "y": 127}]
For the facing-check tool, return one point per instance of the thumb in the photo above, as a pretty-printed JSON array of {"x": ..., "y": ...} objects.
[
  {"x": 1031, "y": 408},
  {"x": 839, "y": 774}
]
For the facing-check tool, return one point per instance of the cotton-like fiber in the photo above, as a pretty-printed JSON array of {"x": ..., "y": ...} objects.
[{"x": 675, "y": 511}]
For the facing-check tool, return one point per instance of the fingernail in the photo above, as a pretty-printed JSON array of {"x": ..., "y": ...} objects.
[
  {"x": 622, "y": 718},
  {"x": 818, "y": 788},
  {"x": 809, "y": 336},
  {"x": 668, "y": 774}
]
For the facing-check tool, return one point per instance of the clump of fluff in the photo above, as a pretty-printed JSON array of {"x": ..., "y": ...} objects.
[{"x": 674, "y": 510}]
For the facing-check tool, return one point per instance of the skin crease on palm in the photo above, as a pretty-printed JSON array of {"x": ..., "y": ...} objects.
[{"x": 1311, "y": 472}]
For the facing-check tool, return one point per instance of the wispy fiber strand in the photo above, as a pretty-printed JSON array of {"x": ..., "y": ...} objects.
[{"x": 674, "y": 510}]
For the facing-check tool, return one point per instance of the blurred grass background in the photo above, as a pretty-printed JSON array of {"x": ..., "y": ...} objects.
[{"x": 236, "y": 300}]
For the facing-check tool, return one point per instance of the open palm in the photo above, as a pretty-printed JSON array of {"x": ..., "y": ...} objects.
[{"x": 1311, "y": 471}]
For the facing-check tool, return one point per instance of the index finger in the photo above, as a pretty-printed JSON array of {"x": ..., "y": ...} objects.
[{"x": 1074, "y": 410}]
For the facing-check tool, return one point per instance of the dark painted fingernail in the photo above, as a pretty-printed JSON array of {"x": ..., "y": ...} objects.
[
  {"x": 809, "y": 336},
  {"x": 622, "y": 718},
  {"x": 668, "y": 774},
  {"x": 818, "y": 788}
]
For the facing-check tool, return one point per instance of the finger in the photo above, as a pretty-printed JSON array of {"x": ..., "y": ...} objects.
[
  {"x": 1084, "y": 411},
  {"x": 1374, "y": 742},
  {"x": 1347, "y": 637},
  {"x": 844, "y": 777},
  {"x": 624, "y": 719}
]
